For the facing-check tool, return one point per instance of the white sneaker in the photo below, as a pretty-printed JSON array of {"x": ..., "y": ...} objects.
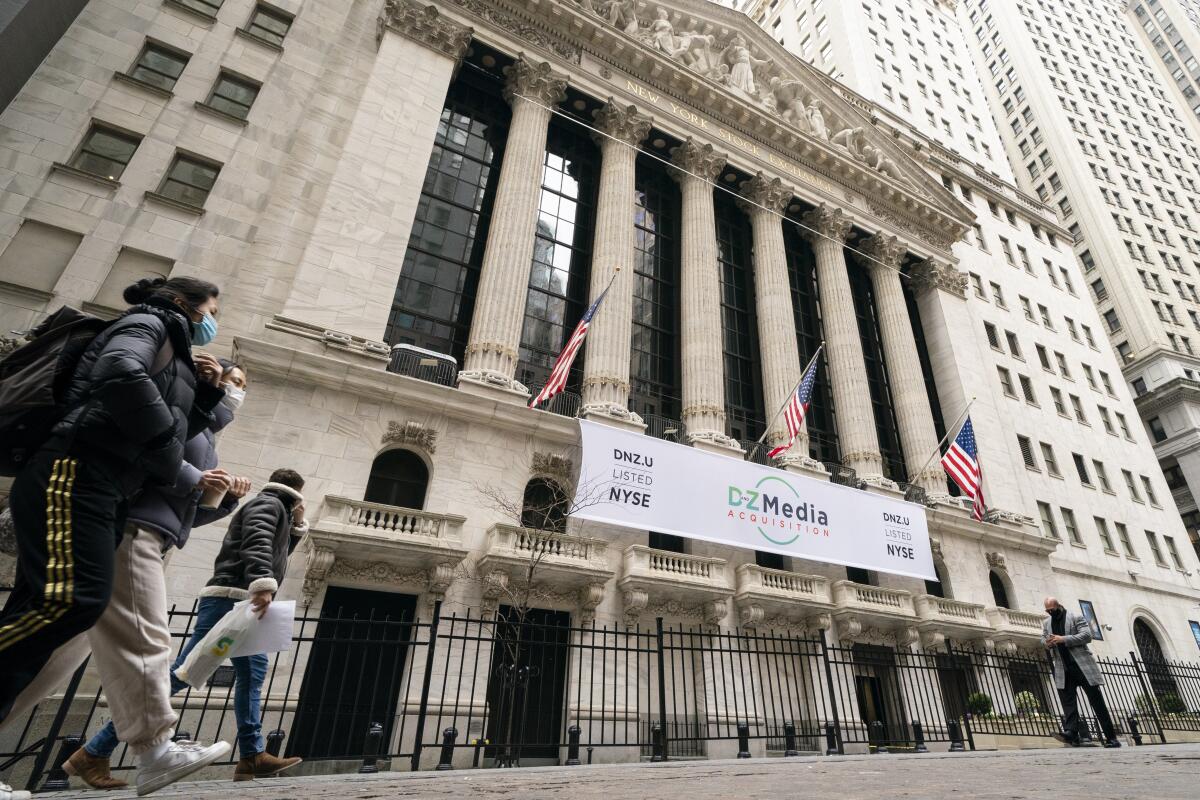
[
  {"x": 9, "y": 793},
  {"x": 170, "y": 761}
]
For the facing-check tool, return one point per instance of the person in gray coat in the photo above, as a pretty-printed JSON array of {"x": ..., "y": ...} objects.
[{"x": 1066, "y": 635}]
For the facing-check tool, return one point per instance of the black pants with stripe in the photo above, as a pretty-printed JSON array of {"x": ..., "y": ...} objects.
[{"x": 68, "y": 514}]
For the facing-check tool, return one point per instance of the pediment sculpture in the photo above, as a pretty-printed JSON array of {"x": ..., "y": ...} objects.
[{"x": 734, "y": 63}]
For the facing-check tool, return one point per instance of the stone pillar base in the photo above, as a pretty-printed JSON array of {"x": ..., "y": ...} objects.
[
  {"x": 493, "y": 387},
  {"x": 719, "y": 443},
  {"x": 614, "y": 415},
  {"x": 880, "y": 482},
  {"x": 806, "y": 466}
]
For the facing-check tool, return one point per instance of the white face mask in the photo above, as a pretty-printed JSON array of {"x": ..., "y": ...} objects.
[{"x": 233, "y": 397}]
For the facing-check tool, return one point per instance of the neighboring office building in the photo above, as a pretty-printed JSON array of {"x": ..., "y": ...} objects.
[
  {"x": 29, "y": 29},
  {"x": 340, "y": 208}
]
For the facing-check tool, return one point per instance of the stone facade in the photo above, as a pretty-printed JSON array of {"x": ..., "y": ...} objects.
[{"x": 307, "y": 228}]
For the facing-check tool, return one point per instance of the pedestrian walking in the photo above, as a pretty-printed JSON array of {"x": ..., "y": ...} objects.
[
  {"x": 250, "y": 565},
  {"x": 135, "y": 397},
  {"x": 1066, "y": 635},
  {"x": 136, "y": 622}
]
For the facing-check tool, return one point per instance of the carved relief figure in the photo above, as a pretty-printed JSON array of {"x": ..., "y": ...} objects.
[
  {"x": 742, "y": 65},
  {"x": 662, "y": 33},
  {"x": 816, "y": 120},
  {"x": 852, "y": 140}
]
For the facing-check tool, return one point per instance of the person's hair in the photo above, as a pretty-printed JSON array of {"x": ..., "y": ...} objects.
[
  {"x": 289, "y": 478},
  {"x": 228, "y": 366},
  {"x": 191, "y": 291}
]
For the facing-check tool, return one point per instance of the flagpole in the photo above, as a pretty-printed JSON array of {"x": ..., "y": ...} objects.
[
  {"x": 937, "y": 451},
  {"x": 535, "y": 402},
  {"x": 803, "y": 372}
]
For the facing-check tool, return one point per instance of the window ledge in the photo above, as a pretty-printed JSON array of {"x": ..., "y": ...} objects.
[
  {"x": 1080, "y": 545},
  {"x": 195, "y": 12},
  {"x": 158, "y": 91},
  {"x": 216, "y": 112},
  {"x": 1108, "y": 552},
  {"x": 67, "y": 169},
  {"x": 176, "y": 204},
  {"x": 254, "y": 37},
  {"x": 26, "y": 291},
  {"x": 100, "y": 310}
]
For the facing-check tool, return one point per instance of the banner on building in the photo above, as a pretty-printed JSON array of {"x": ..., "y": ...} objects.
[{"x": 638, "y": 481}]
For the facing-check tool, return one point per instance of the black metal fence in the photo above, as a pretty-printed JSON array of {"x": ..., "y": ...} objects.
[{"x": 530, "y": 688}]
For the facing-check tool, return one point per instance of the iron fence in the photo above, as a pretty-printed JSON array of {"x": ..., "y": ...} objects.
[{"x": 514, "y": 688}]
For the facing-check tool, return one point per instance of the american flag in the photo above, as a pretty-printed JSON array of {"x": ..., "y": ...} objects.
[
  {"x": 797, "y": 407},
  {"x": 562, "y": 366},
  {"x": 961, "y": 463}
]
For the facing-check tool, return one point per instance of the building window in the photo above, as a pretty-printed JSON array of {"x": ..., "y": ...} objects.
[
  {"x": 208, "y": 8},
  {"x": 1050, "y": 460},
  {"x": 1157, "y": 432},
  {"x": 105, "y": 151},
  {"x": 821, "y": 418},
  {"x": 1072, "y": 529},
  {"x": 1048, "y": 524},
  {"x": 1105, "y": 537},
  {"x": 269, "y": 24},
  {"x": 999, "y": 590},
  {"x": 38, "y": 255},
  {"x": 129, "y": 266},
  {"x": 667, "y": 541},
  {"x": 877, "y": 377},
  {"x": 398, "y": 478},
  {"x": 1173, "y": 552},
  {"x": 558, "y": 277},
  {"x": 545, "y": 506},
  {"x": 1150, "y": 495},
  {"x": 159, "y": 65},
  {"x": 1081, "y": 469},
  {"x": 435, "y": 296},
  {"x": 1155, "y": 550},
  {"x": 1126, "y": 542},
  {"x": 1102, "y": 476},
  {"x": 1026, "y": 451},
  {"x": 189, "y": 180},
  {"x": 743, "y": 370},
  {"x": 233, "y": 95}
]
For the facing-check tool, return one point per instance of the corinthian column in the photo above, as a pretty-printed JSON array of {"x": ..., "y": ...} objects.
[
  {"x": 773, "y": 304},
  {"x": 491, "y": 355},
  {"x": 700, "y": 296},
  {"x": 882, "y": 256},
  {"x": 606, "y": 368},
  {"x": 848, "y": 371}
]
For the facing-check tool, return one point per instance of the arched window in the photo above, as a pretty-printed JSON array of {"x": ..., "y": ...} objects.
[
  {"x": 545, "y": 506},
  {"x": 999, "y": 592},
  {"x": 940, "y": 587},
  {"x": 398, "y": 478},
  {"x": 1157, "y": 668}
]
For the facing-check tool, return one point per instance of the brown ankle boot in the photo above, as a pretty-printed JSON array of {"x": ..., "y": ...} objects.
[
  {"x": 261, "y": 765},
  {"x": 93, "y": 770}
]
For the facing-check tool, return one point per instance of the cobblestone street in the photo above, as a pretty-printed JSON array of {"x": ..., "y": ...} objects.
[{"x": 1168, "y": 772}]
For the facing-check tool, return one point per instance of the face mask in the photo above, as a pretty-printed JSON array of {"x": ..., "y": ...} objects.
[
  {"x": 233, "y": 397},
  {"x": 204, "y": 331}
]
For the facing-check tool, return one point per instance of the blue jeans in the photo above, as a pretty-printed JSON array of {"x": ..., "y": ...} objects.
[{"x": 249, "y": 674}]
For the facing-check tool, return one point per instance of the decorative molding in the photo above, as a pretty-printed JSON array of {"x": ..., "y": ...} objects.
[
  {"x": 412, "y": 434},
  {"x": 997, "y": 561},
  {"x": 534, "y": 80},
  {"x": 551, "y": 465},
  {"x": 424, "y": 25},
  {"x": 316, "y": 570},
  {"x": 622, "y": 123},
  {"x": 9, "y": 344},
  {"x": 697, "y": 160},
  {"x": 918, "y": 230},
  {"x": 555, "y": 43},
  {"x": 826, "y": 221},
  {"x": 767, "y": 192},
  {"x": 928, "y": 275},
  {"x": 881, "y": 250}
]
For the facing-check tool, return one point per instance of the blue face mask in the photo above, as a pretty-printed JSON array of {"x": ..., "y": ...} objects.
[{"x": 204, "y": 331}]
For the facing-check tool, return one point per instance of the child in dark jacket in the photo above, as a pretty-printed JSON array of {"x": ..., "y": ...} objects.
[{"x": 251, "y": 564}]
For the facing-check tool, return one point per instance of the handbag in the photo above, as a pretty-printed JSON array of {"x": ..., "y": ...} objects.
[{"x": 217, "y": 645}]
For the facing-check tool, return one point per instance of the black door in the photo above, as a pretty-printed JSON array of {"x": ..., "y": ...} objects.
[
  {"x": 355, "y": 672},
  {"x": 526, "y": 686},
  {"x": 872, "y": 709}
]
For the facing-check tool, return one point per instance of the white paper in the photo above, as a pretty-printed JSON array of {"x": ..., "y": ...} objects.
[{"x": 271, "y": 634}]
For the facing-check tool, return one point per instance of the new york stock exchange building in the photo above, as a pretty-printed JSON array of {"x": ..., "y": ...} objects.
[{"x": 409, "y": 207}]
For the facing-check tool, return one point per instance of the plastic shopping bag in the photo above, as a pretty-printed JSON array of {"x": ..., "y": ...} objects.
[
  {"x": 270, "y": 634},
  {"x": 215, "y": 647}
]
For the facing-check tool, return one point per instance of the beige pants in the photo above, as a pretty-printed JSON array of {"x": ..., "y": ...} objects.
[{"x": 131, "y": 648}]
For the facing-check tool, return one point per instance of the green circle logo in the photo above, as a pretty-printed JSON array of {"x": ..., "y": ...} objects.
[{"x": 795, "y": 494}]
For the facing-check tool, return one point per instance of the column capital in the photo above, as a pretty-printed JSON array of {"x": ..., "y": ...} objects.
[
  {"x": 424, "y": 25},
  {"x": 697, "y": 159},
  {"x": 881, "y": 250},
  {"x": 929, "y": 274},
  {"x": 622, "y": 123},
  {"x": 535, "y": 80},
  {"x": 826, "y": 221},
  {"x": 768, "y": 192}
]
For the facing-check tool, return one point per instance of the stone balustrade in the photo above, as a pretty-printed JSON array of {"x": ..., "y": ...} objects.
[
  {"x": 679, "y": 567},
  {"x": 342, "y": 513},
  {"x": 781, "y": 598},
  {"x": 849, "y": 595},
  {"x": 545, "y": 549},
  {"x": 652, "y": 577},
  {"x": 1008, "y": 620},
  {"x": 942, "y": 609}
]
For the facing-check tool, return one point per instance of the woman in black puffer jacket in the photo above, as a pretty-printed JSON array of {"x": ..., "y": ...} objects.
[{"x": 136, "y": 397}]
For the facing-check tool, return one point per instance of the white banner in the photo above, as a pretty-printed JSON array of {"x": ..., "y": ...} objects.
[{"x": 649, "y": 484}]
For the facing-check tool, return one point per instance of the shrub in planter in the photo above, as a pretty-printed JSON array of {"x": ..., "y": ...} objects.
[
  {"x": 979, "y": 703},
  {"x": 1169, "y": 703},
  {"x": 1027, "y": 703}
]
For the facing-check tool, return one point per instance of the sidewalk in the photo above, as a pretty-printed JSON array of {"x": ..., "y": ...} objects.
[{"x": 1164, "y": 772}]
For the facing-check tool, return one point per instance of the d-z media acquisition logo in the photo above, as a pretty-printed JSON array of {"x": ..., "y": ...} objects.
[{"x": 774, "y": 505}]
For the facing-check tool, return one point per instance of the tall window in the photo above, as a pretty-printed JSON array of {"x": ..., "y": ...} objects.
[
  {"x": 398, "y": 478},
  {"x": 999, "y": 590},
  {"x": 655, "y": 359},
  {"x": 820, "y": 420},
  {"x": 544, "y": 506},
  {"x": 743, "y": 389},
  {"x": 877, "y": 379},
  {"x": 562, "y": 257},
  {"x": 435, "y": 297}
]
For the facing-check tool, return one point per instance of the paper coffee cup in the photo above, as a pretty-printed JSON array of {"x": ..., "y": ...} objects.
[{"x": 212, "y": 498}]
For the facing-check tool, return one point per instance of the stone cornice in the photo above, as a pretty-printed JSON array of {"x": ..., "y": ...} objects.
[
  {"x": 1171, "y": 393},
  {"x": 936, "y": 275},
  {"x": 951, "y": 520},
  {"x": 424, "y": 25},
  {"x": 1093, "y": 573},
  {"x": 777, "y": 101}
]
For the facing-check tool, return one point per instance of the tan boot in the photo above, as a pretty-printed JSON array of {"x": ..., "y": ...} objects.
[
  {"x": 92, "y": 769},
  {"x": 262, "y": 765}
]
